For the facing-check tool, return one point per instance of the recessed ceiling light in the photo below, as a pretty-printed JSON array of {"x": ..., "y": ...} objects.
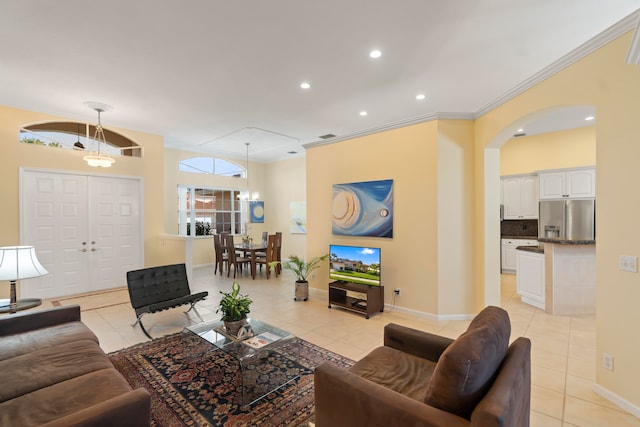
[
  {"x": 363, "y": 113},
  {"x": 589, "y": 118},
  {"x": 520, "y": 130},
  {"x": 375, "y": 53},
  {"x": 305, "y": 85},
  {"x": 420, "y": 96}
]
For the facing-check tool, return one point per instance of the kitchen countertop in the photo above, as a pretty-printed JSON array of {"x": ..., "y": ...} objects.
[
  {"x": 519, "y": 237},
  {"x": 566, "y": 242},
  {"x": 534, "y": 249}
]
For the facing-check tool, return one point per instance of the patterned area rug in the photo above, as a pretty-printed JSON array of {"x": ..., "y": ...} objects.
[{"x": 193, "y": 383}]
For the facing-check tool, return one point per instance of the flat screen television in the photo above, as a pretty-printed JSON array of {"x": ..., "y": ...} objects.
[{"x": 355, "y": 264}]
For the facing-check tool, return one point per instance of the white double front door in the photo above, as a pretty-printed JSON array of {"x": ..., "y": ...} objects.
[{"x": 87, "y": 231}]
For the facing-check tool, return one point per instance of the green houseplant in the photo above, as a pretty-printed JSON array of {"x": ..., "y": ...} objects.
[
  {"x": 234, "y": 308},
  {"x": 301, "y": 269}
]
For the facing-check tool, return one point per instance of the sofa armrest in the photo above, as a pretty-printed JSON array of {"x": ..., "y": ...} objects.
[
  {"x": 418, "y": 343},
  {"x": 32, "y": 320},
  {"x": 345, "y": 399},
  {"x": 132, "y": 409}
]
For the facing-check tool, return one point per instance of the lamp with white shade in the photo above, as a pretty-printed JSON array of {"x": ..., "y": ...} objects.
[{"x": 16, "y": 263}]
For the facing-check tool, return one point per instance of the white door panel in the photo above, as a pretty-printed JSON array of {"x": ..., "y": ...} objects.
[{"x": 82, "y": 234}]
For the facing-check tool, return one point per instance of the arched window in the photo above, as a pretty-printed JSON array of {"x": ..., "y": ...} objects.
[
  {"x": 77, "y": 136},
  {"x": 212, "y": 166}
]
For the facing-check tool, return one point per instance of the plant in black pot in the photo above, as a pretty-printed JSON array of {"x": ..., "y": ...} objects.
[
  {"x": 234, "y": 308},
  {"x": 301, "y": 269}
]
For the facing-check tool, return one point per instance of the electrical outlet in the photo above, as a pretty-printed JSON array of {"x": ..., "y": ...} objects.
[
  {"x": 397, "y": 291},
  {"x": 607, "y": 362},
  {"x": 629, "y": 263}
]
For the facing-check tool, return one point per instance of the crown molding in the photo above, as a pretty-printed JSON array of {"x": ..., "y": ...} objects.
[
  {"x": 394, "y": 125},
  {"x": 633, "y": 55},
  {"x": 605, "y": 37}
]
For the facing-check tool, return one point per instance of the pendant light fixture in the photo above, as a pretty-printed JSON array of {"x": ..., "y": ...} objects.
[
  {"x": 78, "y": 145},
  {"x": 98, "y": 158},
  {"x": 254, "y": 196}
]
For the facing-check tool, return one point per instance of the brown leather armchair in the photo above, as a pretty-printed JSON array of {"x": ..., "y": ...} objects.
[{"x": 421, "y": 379}]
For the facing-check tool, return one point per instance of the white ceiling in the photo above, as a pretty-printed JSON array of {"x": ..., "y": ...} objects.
[{"x": 211, "y": 75}]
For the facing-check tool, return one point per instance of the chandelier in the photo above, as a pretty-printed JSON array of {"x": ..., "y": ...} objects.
[{"x": 98, "y": 158}]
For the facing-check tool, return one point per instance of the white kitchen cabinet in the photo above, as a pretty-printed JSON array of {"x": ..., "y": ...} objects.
[
  {"x": 530, "y": 283},
  {"x": 520, "y": 197},
  {"x": 567, "y": 184},
  {"x": 508, "y": 253}
]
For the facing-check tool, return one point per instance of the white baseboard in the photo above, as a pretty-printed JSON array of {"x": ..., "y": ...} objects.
[
  {"x": 617, "y": 400},
  {"x": 430, "y": 316}
]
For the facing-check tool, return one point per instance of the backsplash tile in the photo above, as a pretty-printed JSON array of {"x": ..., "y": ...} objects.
[{"x": 519, "y": 228}]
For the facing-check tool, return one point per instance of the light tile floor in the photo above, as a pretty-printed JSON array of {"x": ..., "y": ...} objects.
[{"x": 563, "y": 348}]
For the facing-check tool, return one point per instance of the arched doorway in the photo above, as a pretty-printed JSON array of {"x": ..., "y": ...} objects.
[{"x": 550, "y": 118}]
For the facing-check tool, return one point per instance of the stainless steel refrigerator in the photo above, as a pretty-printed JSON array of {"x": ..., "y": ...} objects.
[{"x": 571, "y": 219}]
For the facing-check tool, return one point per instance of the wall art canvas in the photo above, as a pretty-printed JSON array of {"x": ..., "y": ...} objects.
[
  {"x": 363, "y": 209},
  {"x": 256, "y": 211},
  {"x": 298, "y": 217}
]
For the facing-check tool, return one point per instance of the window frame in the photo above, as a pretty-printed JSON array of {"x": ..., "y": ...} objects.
[{"x": 188, "y": 213}]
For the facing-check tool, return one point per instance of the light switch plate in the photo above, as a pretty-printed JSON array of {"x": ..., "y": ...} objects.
[{"x": 629, "y": 263}]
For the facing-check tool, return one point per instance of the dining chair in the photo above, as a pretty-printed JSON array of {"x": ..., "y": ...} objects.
[
  {"x": 270, "y": 255},
  {"x": 265, "y": 234},
  {"x": 279, "y": 252},
  {"x": 234, "y": 259},
  {"x": 220, "y": 252}
]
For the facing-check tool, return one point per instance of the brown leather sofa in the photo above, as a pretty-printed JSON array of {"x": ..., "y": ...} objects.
[
  {"x": 421, "y": 379},
  {"x": 53, "y": 373}
]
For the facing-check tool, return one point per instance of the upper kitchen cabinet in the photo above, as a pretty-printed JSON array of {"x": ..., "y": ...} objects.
[
  {"x": 568, "y": 183},
  {"x": 520, "y": 196}
]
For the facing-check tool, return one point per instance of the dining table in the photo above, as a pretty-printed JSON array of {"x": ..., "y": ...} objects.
[{"x": 252, "y": 249}]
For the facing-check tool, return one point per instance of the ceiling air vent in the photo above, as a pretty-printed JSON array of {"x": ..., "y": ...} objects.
[
  {"x": 327, "y": 136},
  {"x": 516, "y": 135},
  {"x": 292, "y": 152}
]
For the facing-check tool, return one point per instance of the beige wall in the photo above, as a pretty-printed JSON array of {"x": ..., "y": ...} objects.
[
  {"x": 604, "y": 80},
  {"x": 564, "y": 149},
  {"x": 16, "y": 155},
  {"x": 285, "y": 183},
  {"x": 429, "y": 256}
]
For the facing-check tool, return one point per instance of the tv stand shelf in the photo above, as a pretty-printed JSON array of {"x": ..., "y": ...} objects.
[{"x": 373, "y": 302}]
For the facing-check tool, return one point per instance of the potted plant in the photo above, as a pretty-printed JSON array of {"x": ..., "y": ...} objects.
[
  {"x": 301, "y": 269},
  {"x": 234, "y": 307}
]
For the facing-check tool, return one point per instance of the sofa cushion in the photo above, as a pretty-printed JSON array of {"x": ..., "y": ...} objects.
[
  {"x": 27, "y": 342},
  {"x": 63, "y": 398},
  {"x": 48, "y": 366},
  {"x": 467, "y": 368},
  {"x": 396, "y": 370}
]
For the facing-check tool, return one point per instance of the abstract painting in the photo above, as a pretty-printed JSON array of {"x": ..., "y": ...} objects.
[
  {"x": 298, "y": 217},
  {"x": 256, "y": 209},
  {"x": 363, "y": 209}
]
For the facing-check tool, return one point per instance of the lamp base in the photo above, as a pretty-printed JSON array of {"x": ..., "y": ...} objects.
[{"x": 22, "y": 304}]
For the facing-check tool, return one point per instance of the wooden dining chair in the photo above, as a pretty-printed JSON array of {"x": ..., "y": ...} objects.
[
  {"x": 220, "y": 252},
  {"x": 270, "y": 255},
  {"x": 234, "y": 259},
  {"x": 279, "y": 252}
]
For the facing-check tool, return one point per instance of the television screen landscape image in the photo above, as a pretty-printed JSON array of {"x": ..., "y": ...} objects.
[{"x": 355, "y": 264}]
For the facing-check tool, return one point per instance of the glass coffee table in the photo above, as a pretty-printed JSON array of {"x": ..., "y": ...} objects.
[{"x": 264, "y": 356}]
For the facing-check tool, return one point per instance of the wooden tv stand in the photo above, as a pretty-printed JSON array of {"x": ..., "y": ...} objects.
[{"x": 374, "y": 301}]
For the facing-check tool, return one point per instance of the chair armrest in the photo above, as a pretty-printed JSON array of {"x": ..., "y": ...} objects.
[
  {"x": 508, "y": 401},
  {"x": 132, "y": 409},
  {"x": 32, "y": 320},
  {"x": 345, "y": 399},
  {"x": 418, "y": 343}
]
